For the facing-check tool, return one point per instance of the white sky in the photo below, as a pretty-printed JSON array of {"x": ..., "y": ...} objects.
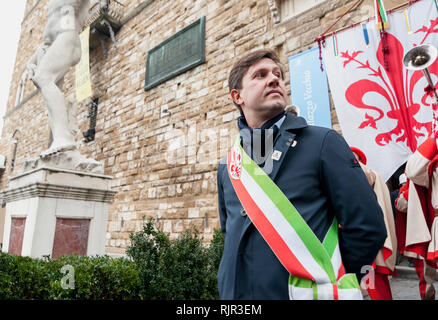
[{"x": 11, "y": 16}]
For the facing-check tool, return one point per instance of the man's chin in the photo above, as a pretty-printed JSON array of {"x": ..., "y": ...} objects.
[
  {"x": 276, "y": 108},
  {"x": 271, "y": 109}
]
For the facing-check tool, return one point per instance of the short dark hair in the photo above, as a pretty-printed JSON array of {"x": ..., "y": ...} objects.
[{"x": 244, "y": 63}]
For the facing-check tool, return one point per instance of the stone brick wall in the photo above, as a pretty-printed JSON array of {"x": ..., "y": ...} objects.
[{"x": 164, "y": 163}]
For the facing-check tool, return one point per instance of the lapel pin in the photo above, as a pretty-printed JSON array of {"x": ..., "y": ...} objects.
[
  {"x": 294, "y": 143},
  {"x": 276, "y": 155}
]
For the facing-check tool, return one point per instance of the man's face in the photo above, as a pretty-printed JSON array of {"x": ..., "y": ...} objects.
[{"x": 263, "y": 91}]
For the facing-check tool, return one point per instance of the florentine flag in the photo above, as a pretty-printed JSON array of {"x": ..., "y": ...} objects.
[{"x": 384, "y": 112}]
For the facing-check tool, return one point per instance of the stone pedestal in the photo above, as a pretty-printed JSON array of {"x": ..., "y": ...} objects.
[{"x": 52, "y": 211}]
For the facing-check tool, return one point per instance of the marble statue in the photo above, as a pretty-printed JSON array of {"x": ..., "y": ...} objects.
[{"x": 58, "y": 53}]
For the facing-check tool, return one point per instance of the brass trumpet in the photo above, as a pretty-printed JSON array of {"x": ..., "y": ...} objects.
[{"x": 420, "y": 58}]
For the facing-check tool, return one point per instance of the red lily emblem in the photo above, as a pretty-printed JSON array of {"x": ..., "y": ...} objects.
[
  {"x": 396, "y": 85},
  {"x": 235, "y": 165}
]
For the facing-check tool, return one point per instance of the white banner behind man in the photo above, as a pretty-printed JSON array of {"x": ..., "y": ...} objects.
[{"x": 382, "y": 107}]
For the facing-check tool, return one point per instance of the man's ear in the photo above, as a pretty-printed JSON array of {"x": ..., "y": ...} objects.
[{"x": 237, "y": 98}]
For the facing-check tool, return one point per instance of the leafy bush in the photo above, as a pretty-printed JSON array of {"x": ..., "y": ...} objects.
[
  {"x": 100, "y": 277},
  {"x": 23, "y": 278},
  {"x": 179, "y": 269},
  {"x": 156, "y": 268}
]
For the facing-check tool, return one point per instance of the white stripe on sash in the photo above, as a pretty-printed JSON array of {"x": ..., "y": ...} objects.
[
  {"x": 324, "y": 292},
  {"x": 297, "y": 293},
  {"x": 336, "y": 260}
]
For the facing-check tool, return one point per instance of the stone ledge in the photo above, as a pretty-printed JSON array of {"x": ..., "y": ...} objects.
[
  {"x": 61, "y": 184},
  {"x": 62, "y": 170},
  {"x": 58, "y": 176},
  {"x": 46, "y": 190}
]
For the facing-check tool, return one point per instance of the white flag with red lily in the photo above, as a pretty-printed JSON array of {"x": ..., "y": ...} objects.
[{"x": 383, "y": 109}]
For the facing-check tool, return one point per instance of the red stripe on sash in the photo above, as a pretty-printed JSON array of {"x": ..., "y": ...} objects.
[
  {"x": 271, "y": 236},
  {"x": 335, "y": 292},
  {"x": 341, "y": 271}
]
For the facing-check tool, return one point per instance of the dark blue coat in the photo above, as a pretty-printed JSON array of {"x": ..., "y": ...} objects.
[{"x": 321, "y": 179}]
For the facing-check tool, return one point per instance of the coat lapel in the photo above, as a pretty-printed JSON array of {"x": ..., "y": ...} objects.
[
  {"x": 277, "y": 155},
  {"x": 284, "y": 142}
]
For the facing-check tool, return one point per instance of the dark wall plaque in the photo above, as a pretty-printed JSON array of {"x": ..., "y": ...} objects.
[{"x": 181, "y": 52}]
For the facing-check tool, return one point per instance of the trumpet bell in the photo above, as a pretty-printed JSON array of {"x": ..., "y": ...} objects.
[{"x": 420, "y": 57}]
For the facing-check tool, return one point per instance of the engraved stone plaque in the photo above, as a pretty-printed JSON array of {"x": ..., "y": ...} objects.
[{"x": 174, "y": 56}]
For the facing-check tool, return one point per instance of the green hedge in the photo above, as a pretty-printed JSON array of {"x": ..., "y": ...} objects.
[
  {"x": 99, "y": 277},
  {"x": 155, "y": 268}
]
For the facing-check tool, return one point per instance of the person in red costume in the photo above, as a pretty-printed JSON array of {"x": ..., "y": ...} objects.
[
  {"x": 384, "y": 265},
  {"x": 417, "y": 206}
]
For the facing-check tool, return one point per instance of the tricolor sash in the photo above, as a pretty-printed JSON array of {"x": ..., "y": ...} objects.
[{"x": 315, "y": 268}]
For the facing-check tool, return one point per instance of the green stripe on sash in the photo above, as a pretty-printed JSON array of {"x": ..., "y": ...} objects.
[
  {"x": 348, "y": 281},
  {"x": 331, "y": 239}
]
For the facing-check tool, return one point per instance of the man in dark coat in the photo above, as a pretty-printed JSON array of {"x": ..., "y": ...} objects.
[{"x": 313, "y": 166}]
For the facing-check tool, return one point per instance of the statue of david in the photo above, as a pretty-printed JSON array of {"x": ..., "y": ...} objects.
[{"x": 58, "y": 53}]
